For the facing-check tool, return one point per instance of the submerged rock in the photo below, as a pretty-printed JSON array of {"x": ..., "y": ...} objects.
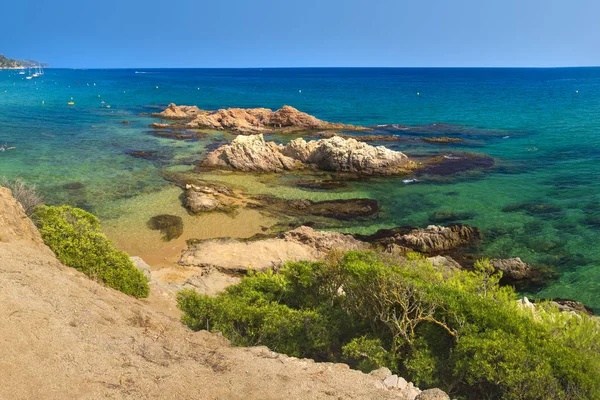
[
  {"x": 321, "y": 184},
  {"x": 73, "y": 186},
  {"x": 248, "y": 120},
  {"x": 450, "y": 164},
  {"x": 146, "y": 155},
  {"x": 443, "y": 139},
  {"x": 171, "y": 226},
  {"x": 252, "y": 153},
  {"x": 200, "y": 199},
  {"x": 533, "y": 208},
  {"x": 449, "y": 216}
]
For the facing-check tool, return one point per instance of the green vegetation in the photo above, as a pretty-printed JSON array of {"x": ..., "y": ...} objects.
[
  {"x": 8, "y": 62},
  {"x": 459, "y": 331},
  {"x": 75, "y": 237}
]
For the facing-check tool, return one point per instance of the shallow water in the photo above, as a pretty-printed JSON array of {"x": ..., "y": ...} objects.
[{"x": 540, "y": 201}]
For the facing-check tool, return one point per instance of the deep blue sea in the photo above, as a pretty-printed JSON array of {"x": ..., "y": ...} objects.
[{"x": 540, "y": 201}]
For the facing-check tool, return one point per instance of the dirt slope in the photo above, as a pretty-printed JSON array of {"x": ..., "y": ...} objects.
[{"x": 63, "y": 336}]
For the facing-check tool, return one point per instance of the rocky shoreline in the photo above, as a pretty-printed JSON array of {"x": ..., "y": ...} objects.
[{"x": 245, "y": 121}]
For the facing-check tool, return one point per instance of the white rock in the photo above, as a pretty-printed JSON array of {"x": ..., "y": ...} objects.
[
  {"x": 391, "y": 381},
  {"x": 402, "y": 384}
]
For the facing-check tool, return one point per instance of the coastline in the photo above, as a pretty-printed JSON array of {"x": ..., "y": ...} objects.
[{"x": 530, "y": 204}]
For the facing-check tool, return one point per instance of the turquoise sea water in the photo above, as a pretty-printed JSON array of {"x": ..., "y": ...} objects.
[{"x": 540, "y": 201}]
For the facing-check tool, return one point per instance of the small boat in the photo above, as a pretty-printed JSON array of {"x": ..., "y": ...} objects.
[
  {"x": 29, "y": 77},
  {"x": 71, "y": 103},
  {"x": 22, "y": 73}
]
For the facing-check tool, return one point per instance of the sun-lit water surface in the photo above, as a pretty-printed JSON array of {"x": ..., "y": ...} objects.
[{"x": 542, "y": 126}]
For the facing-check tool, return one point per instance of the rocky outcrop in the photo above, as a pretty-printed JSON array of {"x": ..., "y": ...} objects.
[
  {"x": 249, "y": 120},
  {"x": 323, "y": 242},
  {"x": 348, "y": 155},
  {"x": 438, "y": 238},
  {"x": 252, "y": 153},
  {"x": 235, "y": 256},
  {"x": 200, "y": 198},
  {"x": 432, "y": 240},
  {"x": 178, "y": 112}
]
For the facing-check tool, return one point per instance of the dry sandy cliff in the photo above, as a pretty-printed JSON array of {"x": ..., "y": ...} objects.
[{"x": 64, "y": 336}]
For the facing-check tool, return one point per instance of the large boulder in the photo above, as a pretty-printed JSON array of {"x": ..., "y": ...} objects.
[
  {"x": 434, "y": 239},
  {"x": 513, "y": 268},
  {"x": 251, "y": 153},
  {"x": 348, "y": 155},
  {"x": 200, "y": 199}
]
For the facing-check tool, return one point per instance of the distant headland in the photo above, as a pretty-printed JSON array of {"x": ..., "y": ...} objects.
[{"x": 9, "y": 63}]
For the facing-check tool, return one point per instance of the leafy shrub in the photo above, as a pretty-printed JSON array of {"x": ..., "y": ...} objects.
[
  {"x": 458, "y": 330},
  {"x": 25, "y": 194},
  {"x": 75, "y": 237}
]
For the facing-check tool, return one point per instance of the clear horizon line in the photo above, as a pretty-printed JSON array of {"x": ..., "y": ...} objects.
[{"x": 346, "y": 67}]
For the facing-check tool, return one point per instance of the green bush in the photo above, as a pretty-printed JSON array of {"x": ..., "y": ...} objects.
[
  {"x": 75, "y": 237},
  {"x": 459, "y": 331}
]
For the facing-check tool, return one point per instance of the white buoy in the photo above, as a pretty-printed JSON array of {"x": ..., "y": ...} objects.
[
  {"x": 577, "y": 91},
  {"x": 299, "y": 91},
  {"x": 418, "y": 94}
]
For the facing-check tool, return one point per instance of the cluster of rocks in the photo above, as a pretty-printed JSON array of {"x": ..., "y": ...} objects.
[
  {"x": 247, "y": 120},
  {"x": 254, "y": 154},
  {"x": 408, "y": 389},
  {"x": 202, "y": 198}
]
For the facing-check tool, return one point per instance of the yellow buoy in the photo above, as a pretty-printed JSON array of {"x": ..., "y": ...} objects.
[
  {"x": 43, "y": 102},
  {"x": 157, "y": 87}
]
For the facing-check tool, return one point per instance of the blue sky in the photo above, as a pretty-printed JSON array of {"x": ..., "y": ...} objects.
[{"x": 286, "y": 33}]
